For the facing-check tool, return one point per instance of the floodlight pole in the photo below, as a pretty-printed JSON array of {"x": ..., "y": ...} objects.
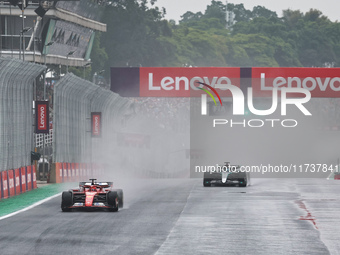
[
  {"x": 23, "y": 2},
  {"x": 33, "y": 41},
  {"x": 69, "y": 54},
  {"x": 45, "y": 53},
  {"x": 22, "y": 41}
]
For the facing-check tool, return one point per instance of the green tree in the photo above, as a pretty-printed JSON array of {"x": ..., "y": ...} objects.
[
  {"x": 261, "y": 11},
  {"x": 132, "y": 32},
  {"x": 190, "y": 16},
  {"x": 99, "y": 56},
  {"x": 251, "y": 50},
  {"x": 216, "y": 10},
  {"x": 241, "y": 13},
  {"x": 138, "y": 35}
]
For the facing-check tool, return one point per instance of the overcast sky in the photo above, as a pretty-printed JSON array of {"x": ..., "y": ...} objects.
[{"x": 176, "y": 8}]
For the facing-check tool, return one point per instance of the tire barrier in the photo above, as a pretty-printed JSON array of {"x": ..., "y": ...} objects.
[{"x": 17, "y": 181}]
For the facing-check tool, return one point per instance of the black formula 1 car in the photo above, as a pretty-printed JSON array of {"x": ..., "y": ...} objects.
[
  {"x": 92, "y": 195},
  {"x": 226, "y": 175}
]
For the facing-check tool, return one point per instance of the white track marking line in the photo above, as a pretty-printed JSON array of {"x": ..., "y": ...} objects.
[{"x": 30, "y": 207}]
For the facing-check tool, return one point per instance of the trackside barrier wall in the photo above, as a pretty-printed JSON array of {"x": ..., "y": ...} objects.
[
  {"x": 4, "y": 183},
  {"x": 11, "y": 188},
  {"x": 73, "y": 147},
  {"x": 64, "y": 172},
  {"x": 334, "y": 176},
  {"x": 61, "y": 172},
  {"x": 23, "y": 179},
  {"x": 16, "y": 120},
  {"x": 15, "y": 182},
  {"x": 28, "y": 178},
  {"x": 34, "y": 178},
  {"x": 127, "y": 137}
]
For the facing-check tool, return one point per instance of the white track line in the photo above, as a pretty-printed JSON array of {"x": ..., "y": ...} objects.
[{"x": 30, "y": 207}]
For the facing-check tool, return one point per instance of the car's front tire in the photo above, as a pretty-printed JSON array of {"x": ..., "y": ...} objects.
[
  {"x": 66, "y": 201},
  {"x": 113, "y": 201},
  {"x": 120, "y": 198},
  {"x": 243, "y": 183},
  {"x": 206, "y": 182}
]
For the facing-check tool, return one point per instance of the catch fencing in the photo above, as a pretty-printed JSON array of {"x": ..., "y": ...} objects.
[
  {"x": 17, "y": 175},
  {"x": 16, "y": 112},
  {"x": 74, "y": 100}
]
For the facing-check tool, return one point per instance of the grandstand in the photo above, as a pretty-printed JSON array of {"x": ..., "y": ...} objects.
[{"x": 51, "y": 32}]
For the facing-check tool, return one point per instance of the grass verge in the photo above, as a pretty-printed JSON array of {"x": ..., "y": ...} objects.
[{"x": 26, "y": 199}]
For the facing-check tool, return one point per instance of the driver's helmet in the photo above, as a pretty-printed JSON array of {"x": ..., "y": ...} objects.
[{"x": 94, "y": 188}]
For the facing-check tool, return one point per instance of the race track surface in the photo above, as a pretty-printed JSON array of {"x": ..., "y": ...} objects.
[{"x": 180, "y": 216}]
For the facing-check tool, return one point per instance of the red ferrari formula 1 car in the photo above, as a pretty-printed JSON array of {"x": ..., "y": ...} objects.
[{"x": 93, "y": 195}]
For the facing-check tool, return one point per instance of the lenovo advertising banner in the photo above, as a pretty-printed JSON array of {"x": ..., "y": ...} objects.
[
  {"x": 11, "y": 187},
  {"x": 96, "y": 124},
  {"x": 41, "y": 117},
  {"x": 4, "y": 179},
  {"x": 188, "y": 82},
  {"x": 17, "y": 181}
]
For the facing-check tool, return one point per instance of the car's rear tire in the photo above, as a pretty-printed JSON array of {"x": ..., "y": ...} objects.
[
  {"x": 243, "y": 183},
  {"x": 66, "y": 201},
  {"x": 113, "y": 200},
  {"x": 120, "y": 198},
  {"x": 206, "y": 182}
]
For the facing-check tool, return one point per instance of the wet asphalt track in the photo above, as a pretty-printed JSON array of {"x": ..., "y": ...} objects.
[{"x": 271, "y": 216}]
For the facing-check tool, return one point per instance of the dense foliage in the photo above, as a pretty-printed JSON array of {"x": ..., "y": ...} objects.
[{"x": 138, "y": 35}]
